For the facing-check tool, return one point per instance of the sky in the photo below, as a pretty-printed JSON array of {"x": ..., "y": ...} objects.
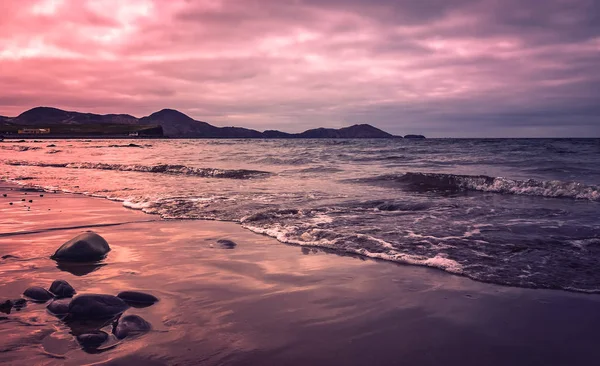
[{"x": 443, "y": 68}]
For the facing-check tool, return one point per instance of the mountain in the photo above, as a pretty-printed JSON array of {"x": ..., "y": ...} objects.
[
  {"x": 177, "y": 124},
  {"x": 168, "y": 121},
  {"x": 58, "y": 116},
  {"x": 352, "y": 132}
]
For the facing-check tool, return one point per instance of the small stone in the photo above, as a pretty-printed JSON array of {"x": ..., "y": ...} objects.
[
  {"x": 4, "y": 195},
  {"x": 30, "y": 201},
  {"x": 131, "y": 325},
  {"x": 134, "y": 297},
  {"x": 93, "y": 339},
  {"x": 6, "y": 306},
  {"x": 62, "y": 289},
  {"x": 226, "y": 244},
  {"x": 96, "y": 306},
  {"x": 38, "y": 294},
  {"x": 23, "y": 199},
  {"x": 59, "y": 307},
  {"x": 41, "y": 195},
  {"x": 19, "y": 304},
  {"x": 10, "y": 203}
]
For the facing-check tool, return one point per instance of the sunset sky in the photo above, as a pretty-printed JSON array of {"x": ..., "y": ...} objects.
[{"x": 437, "y": 67}]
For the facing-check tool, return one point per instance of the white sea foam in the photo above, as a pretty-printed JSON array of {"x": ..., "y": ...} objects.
[{"x": 289, "y": 235}]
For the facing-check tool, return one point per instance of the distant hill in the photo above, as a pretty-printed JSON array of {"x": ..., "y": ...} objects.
[
  {"x": 172, "y": 122},
  {"x": 414, "y": 137},
  {"x": 50, "y": 115},
  {"x": 352, "y": 132},
  {"x": 177, "y": 124}
]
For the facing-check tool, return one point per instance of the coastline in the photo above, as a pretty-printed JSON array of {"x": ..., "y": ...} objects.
[{"x": 265, "y": 302}]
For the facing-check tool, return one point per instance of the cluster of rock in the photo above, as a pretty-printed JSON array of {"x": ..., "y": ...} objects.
[{"x": 87, "y": 314}]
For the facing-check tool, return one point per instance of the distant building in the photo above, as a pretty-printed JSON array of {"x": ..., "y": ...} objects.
[{"x": 34, "y": 131}]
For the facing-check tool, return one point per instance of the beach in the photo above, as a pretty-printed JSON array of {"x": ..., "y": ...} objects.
[{"x": 266, "y": 303}]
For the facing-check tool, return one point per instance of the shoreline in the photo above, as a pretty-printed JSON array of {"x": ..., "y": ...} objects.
[
  {"x": 436, "y": 263},
  {"x": 264, "y": 302}
]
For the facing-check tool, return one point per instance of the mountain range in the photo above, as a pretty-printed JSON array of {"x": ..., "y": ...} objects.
[{"x": 173, "y": 123}]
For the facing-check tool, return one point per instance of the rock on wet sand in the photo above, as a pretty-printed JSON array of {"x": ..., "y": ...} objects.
[
  {"x": 59, "y": 307},
  {"x": 92, "y": 339},
  {"x": 95, "y": 306},
  {"x": 62, "y": 289},
  {"x": 38, "y": 294},
  {"x": 131, "y": 325},
  {"x": 85, "y": 247},
  {"x": 226, "y": 244},
  {"x": 6, "y": 306},
  {"x": 135, "y": 298}
]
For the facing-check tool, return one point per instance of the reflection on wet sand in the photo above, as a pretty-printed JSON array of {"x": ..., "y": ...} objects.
[{"x": 261, "y": 302}]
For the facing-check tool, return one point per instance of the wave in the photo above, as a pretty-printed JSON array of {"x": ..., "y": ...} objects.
[
  {"x": 158, "y": 168},
  {"x": 483, "y": 183},
  {"x": 359, "y": 244}
]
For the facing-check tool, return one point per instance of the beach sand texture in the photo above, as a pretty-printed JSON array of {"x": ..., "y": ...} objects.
[{"x": 261, "y": 302}]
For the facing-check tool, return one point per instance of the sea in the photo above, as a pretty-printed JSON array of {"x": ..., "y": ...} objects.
[{"x": 515, "y": 212}]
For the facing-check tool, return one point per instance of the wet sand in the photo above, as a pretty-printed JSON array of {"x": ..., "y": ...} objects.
[{"x": 266, "y": 303}]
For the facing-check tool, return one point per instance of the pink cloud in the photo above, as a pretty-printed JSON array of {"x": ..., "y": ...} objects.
[{"x": 267, "y": 64}]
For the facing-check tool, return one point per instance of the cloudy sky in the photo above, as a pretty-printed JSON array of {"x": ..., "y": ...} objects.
[{"x": 439, "y": 67}]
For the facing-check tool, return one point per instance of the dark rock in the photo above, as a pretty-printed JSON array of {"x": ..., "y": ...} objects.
[
  {"x": 62, "y": 289},
  {"x": 41, "y": 195},
  {"x": 226, "y": 244},
  {"x": 131, "y": 325},
  {"x": 96, "y": 306},
  {"x": 23, "y": 199},
  {"x": 4, "y": 195},
  {"x": 86, "y": 247},
  {"x": 10, "y": 203},
  {"x": 30, "y": 201},
  {"x": 93, "y": 339},
  {"x": 9, "y": 256},
  {"x": 38, "y": 294},
  {"x": 19, "y": 304},
  {"x": 134, "y": 298},
  {"x": 59, "y": 307},
  {"x": 51, "y": 145},
  {"x": 6, "y": 306}
]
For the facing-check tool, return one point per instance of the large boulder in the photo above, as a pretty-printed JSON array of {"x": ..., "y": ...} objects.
[
  {"x": 137, "y": 299},
  {"x": 131, "y": 325},
  {"x": 85, "y": 247},
  {"x": 95, "y": 306},
  {"x": 38, "y": 294},
  {"x": 62, "y": 289}
]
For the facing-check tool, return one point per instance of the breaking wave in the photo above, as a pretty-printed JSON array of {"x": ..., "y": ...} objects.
[
  {"x": 173, "y": 169},
  {"x": 483, "y": 183}
]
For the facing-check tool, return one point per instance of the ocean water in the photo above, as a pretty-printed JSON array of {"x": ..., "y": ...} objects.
[{"x": 517, "y": 212}]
